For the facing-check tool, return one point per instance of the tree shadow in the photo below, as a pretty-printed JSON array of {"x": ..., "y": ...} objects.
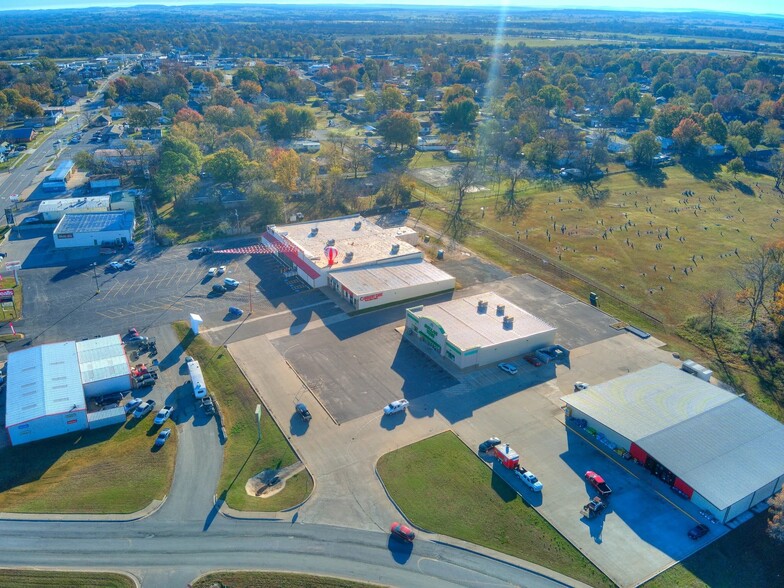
[
  {"x": 703, "y": 169},
  {"x": 591, "y": 193},
  {"x": 743, "y": 188},
  {"x": 653, "y": 177}
]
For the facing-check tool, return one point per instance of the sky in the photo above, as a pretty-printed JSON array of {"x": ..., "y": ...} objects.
[{"x": 748, "y": 7}]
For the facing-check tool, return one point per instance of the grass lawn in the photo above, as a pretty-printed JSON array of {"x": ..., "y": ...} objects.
[
  {"x": 443, "y": 487},
  {"x": 109, "y": 470},
  {"x": 730, "y": 561},
  {"x": 243, "y": 457},
  {"x": 41, "y": 578},
  {"x": 276, "y": 579}
]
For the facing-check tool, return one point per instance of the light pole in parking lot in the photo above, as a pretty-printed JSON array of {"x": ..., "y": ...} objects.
[{"x": 95, "y": 275}]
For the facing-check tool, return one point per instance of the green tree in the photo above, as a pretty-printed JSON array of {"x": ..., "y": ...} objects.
[
  {"x": 716, "y": 128},
  {"x": 399, "y": 128},
  {"x": 736, "y": 166},
  {"x": 644, "y": 148},
  {"x": 753, "y": 131},
  {"x": 668, "y": 118},
  {"x": 227, "y": 165},
  {"x": 552, "y": 96},
  {"x": 646, "y": 104},
  {"x": 29, "y": 108},
  {"x": 173, "y": 103},
  {"x": 461, "y": 114},
  {"x": 146, "y": 115},
  {"x": 740, "y": 146},
  {"x": 391, "y": 98}
]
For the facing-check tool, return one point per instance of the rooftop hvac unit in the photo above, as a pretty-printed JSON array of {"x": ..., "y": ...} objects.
[
  {"x": 500, "y": 310},
  {"x": 508, "y": 322},
  {"x": 357, "y": 225},
  {"x": 481, "y": 306},
  {"x": 395, "y": 248},
  {"x": 330, "y": 241},
  {"x": 349, "y": 255},
  {"x": 314, "y": 231}
]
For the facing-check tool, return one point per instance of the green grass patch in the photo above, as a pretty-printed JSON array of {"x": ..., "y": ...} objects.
[
  {"x": 243, "y": 456},
  {"x": 276, "y": 579},
  {"x": 743, "y": 557},
  {"x": 441, "y": 486},
  {"x": 109, "y": 470},
  {"x": 41, "y": 578},
  {"x": 8, "y": 283}
]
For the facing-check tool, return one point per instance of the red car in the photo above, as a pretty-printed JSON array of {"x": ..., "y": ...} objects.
[
  {"x": 133, "y": 332},
  {"x": 598, "y": 482},
  {"x": 400, "y": 531},
  {"x": 533, "y": 360}
]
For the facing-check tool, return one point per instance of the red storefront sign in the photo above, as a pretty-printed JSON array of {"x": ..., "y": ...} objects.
[{"x": 370, "y": 297}]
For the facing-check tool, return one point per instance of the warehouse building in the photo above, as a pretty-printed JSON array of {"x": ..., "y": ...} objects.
[
  {"x": 54, "y": 210},
  {"x": 103, "y": 366},
  {"x": 44, "y": 393},
  {"x": 366, "y": 264},
  {"x": 93, "y": 229},
  {"x": 477, "y": 330},
  {"x": 723, "y": 453}
]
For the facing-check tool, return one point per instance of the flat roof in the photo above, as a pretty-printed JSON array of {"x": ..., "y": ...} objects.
[
  {"x": 62, "y": 171},
  {"x": 389, "y": 276},
  {"x": 74, "y": 204},
  {"x": 43, "y": 381},
  {"x": 468, "y": 328},
  {"x": 93, "y": 222},
  {"x": 717, "y": 443},
  {"x": 102, "y": 358},
  {"x": 647, "y": 401},
  {"x": 358, "y": 241}
]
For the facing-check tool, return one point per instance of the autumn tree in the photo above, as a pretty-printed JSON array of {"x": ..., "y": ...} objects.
[
  {"x": 348, "y": 85},
  {"x": 687, "y": 136},
  {"x": 623, "y": 109},
  {"x": 399, "y": 129},
  {"x": 29, "y": 108},
  {"x": 188, "y": 115},
  {"x": 145, "y": 116},
  {"x": 775, "y": 529},
  {"x": 285, "y": 164}
]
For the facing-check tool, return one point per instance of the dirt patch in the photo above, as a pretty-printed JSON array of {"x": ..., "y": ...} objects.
[{"x": 269, "y": 482}]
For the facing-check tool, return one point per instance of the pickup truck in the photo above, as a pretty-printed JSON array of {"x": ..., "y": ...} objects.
[
  {"x": 598, "y": 482},
  {"x": 528, "y": 478}
]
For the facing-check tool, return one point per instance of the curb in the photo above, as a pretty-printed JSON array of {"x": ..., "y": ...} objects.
[{"x": 149, "y": 510}]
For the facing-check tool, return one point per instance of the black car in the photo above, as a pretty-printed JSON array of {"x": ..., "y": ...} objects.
[
  {"x": 486, "y": 446},
  {"x": 219, "y": 288},
  {"x": 208, "y": 405},
  {"x": 111, "y": 398},
  {"x": 303, "y": 411},
  {"x": 698, "y": 531}
]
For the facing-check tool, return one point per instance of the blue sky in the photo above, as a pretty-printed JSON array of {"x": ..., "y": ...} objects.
[{"x": 750, "y": 6}]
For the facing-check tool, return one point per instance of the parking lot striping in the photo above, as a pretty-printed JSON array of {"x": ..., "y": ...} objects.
[{"x": 275, "y": 314}]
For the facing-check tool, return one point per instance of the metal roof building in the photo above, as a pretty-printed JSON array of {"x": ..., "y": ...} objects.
[
  {"x": 44, "y": 393},
  {"x": 717, "y": 448},
  {"x": 52, "y": 210},
  {"x": 92, "y": 229},
  {"x": 103, "y": 366},
  {"x": 477, "y": 330},
  {"x": 366, "y": 264}
]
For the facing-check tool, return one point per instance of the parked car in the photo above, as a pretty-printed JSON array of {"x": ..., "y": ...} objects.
[
  {"x": 396, "y": 406},
  {"x": 162, "y": 436},
  {"x": 528, "y": 478},
  {"x": 580, "y": 386},
  {"x": 219, "y": 288},
  {"x": 509, "y": 368},
  {"x": 144, "y": 409},
  {"x": 234, "y": 311},
  {"x": 598, "y": 482},
  {"x": 132, "y": 405},
  {"x": 163, "y": 415},
  {"x": 146, "y": 380},
  {"x": 137, "y": 339},
  {"x": 115, "y": 265},
  {"x": 208, "y": 405},
  {"x": 402, "y": 532},
  {"x": 698, "y": 531},
  {"x": 212, "y": 271},
  {"x": 486, "y": 446},
  {"x": 129, "y": 262},
  {"x": 111, "y": 398},
  {"x": 303, "y": 411},
  {"x": 188, "y": 359},
  {"x": 533, "y": 360},
  {"x": 230, "y": 283},
  {"x": 133, "y": 332},
  {"x": 221, "y": 270}
]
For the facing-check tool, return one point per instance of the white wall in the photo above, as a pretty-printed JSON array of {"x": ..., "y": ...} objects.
[
  {"x": 613, "y": 436},
  {"x": 92, "y": 239},
  {"x": 107, "y": 386},
  {"x": 48, "y": 426},
  {"x": 509, "y": 349},
  {"x": 406, "y": 293}
]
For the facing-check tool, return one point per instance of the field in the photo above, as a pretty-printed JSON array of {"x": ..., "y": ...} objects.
[
  {"x": 41, "y": 578},
  {"x": 267, "y": 579},
  {"x": 442, "y": 487},
  {"x": 109, "y": 470},
  {"x": 243, "y": 456}
]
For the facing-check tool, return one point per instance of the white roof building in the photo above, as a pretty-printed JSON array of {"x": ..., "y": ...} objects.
[
  {"x": 103, "y": 365},
  {"x": 51, "y": 210}
]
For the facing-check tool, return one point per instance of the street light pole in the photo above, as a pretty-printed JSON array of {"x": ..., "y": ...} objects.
[{"x": 95, "y": 275}]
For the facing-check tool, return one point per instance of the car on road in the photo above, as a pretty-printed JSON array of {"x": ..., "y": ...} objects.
[
  {"x": 132, "y": 405},
  {"x": 219, "y": 288},
  {"x": 230, "y": 283},
  {"x": 402, "y": 532},
  {"x": 396, "y": 406},
  {"x": 486, "y": 446},
  {"x": 208, "y": 405},
  {"x": 698, "y": 531},
  {"x": 221, "y": 270},
  {"x": 303, "y": 411},
  {"x": 162, "y": 436},
  {"x": 144, "y": 409},
  {"x": 235, "y": 311},
  {"x": 509, "y": 368},
  {"x": 115, "y": 265},
  {"x": 74, "y": 140},
  {"x": 212, "y": 271},
  {"x": 129, "y": 262},
  {"x": 163, "y": 415}
]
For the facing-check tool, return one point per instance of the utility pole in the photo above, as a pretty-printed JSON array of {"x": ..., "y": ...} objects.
[
  {"x": 258, "y": 421},
  {"x": 95, "y": 275},
  {"x": 250, "y": 298}
]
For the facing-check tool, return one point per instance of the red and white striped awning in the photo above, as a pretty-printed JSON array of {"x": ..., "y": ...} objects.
[{"x": 249, "y": 250}]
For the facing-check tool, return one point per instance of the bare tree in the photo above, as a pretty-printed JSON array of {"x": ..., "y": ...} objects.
[
  {"x": 777, "y": 167},
  {"x": 515, "y": 171},
  {"x": 759, "y": 278},
  {"x": 463, "y": 177}
]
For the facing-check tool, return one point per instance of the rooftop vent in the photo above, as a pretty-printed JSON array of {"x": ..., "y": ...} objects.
[
  {"x": 314, "y": 231},
  {"x": 330, "y": 241},
  {"x": 395, "y": 248},
  {"x": 508, "y": 322},
  {"x": 481, "y": 306},
  {"x": 349, "y": 255},
  {"x": 500, "y": 310},
  {"x": 357, "y": 225}
]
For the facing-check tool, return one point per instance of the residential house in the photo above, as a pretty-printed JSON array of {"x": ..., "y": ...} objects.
[
  {"x": 23, "y": 135},
  {"x": 114, "y": 132},
  {"x": 102, "y": 120}
]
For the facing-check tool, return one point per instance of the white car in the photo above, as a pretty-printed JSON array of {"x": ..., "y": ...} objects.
[
  {"x": 221, "y": 270},
  {"x": 396, "y": 406},
  {"x": 230, "y": 283},
  {"x": 212, "y": 271},
  {"x": 116, "y": 265},
  {"x": 509, "y": 368},
  {"x": 129, "y": 262},
  {"x": 529, "y": 479},
  {"x": 580, "y": 386}
]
